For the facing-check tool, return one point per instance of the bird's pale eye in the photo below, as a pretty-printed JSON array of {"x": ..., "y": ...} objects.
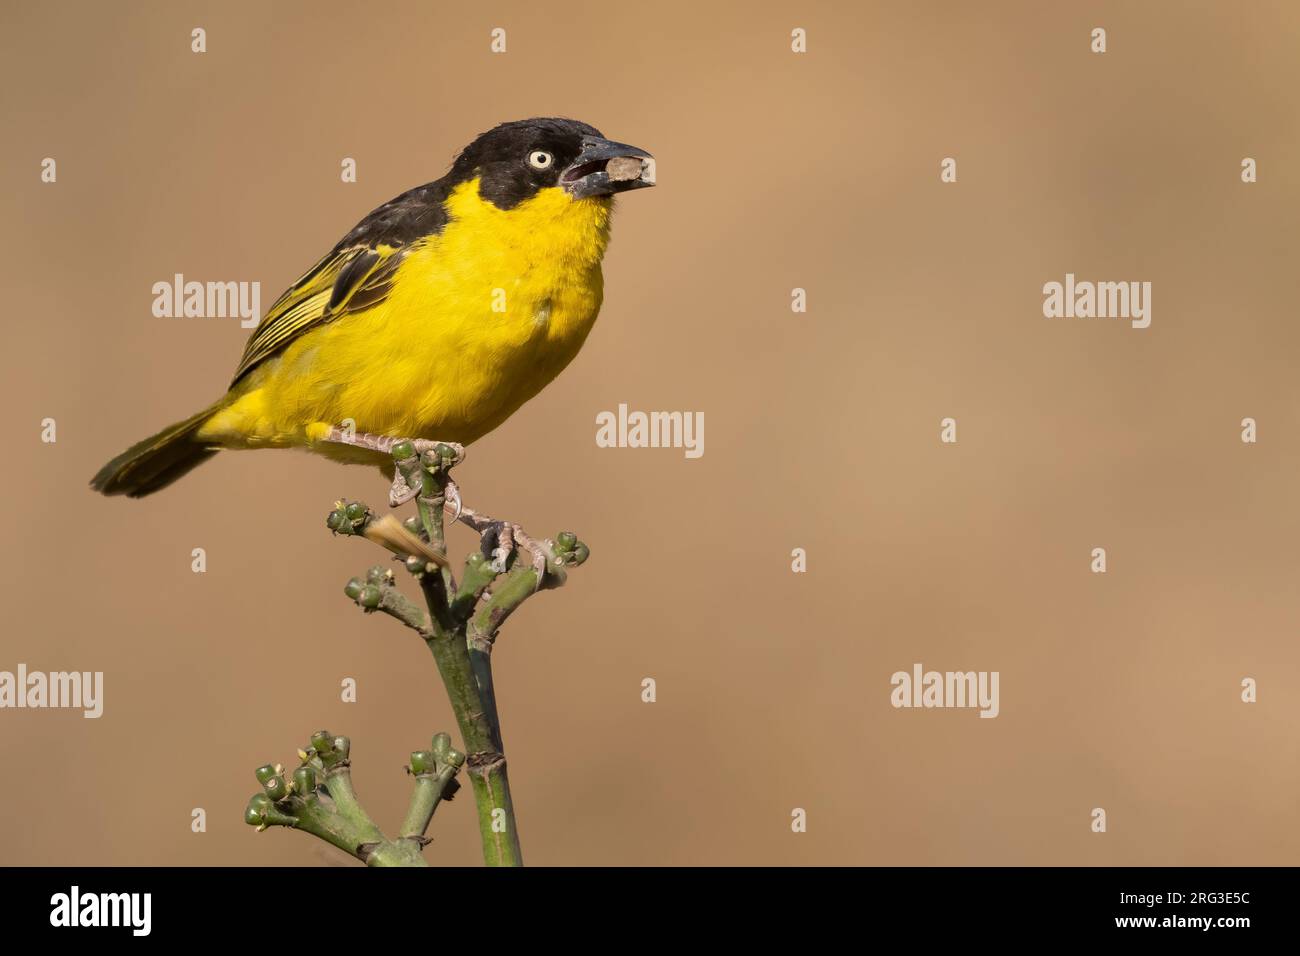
[{"x": 540, "y": 159}]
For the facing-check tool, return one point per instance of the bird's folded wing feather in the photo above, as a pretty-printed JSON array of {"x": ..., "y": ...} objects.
[
  {"x": 349, "y": 279},
  {"x": 356, "y": 275}
]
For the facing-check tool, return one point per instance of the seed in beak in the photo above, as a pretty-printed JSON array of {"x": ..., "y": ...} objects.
[{"x": 622, "y": 168}]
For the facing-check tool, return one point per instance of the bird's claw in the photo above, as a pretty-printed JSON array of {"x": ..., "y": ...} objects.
[
  {"x": 453, "y": 500},
  {"x": 505, "y": 547},
  {"x": 540, "y": 557},
  {"x": 400, "y": 493}
]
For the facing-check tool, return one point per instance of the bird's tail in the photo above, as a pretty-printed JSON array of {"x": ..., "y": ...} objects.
[{"x": 156, "y": 462}]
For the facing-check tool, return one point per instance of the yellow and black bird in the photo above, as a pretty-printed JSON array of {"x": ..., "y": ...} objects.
[{"x": 436, "y": 317}]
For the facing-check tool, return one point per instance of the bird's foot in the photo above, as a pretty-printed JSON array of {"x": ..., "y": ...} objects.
[
  {"x": 407, "y": 452},
  {"x": 401, "y": 492},
  {"x": 505, "y": 546},
  {"x": 502, "y": 539},
  {"x": 431, "y": 455}
]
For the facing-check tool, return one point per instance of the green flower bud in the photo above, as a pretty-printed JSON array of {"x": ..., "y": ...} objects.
[
  {"x": 356, "y": 511},
  {"x": 376, "y": 574},
  {"x": 342, "y": 747},
  {"x": 412, "y": 525},
  {"x": 353, "y": 588},
  {"x": 422, "y": 762},
  {"x": 441, "y": 745},
  {"x": 336, "y": 521},
  {"x": 322, "y": 742},
  {"x": 580, "y": 553},
  {"x": 276, "y": 788},
  {"x": 370, "y": 597},
  {"x": 416, "y": 565},
  {"x": 403, "y": 449},
  {"x": 304, "y": 780},
  {"x": 566, "y": 540},
  {"x": 265, "y": 773},
  {"x": 255, "y": 812},
  {"x": 443, "y": 450}
]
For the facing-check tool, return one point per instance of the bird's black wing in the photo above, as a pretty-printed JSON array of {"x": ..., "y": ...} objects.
[{"x": 356, "y": 275}]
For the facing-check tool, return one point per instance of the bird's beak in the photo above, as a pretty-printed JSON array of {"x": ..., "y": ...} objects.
[{"x": 605, "y": 167}]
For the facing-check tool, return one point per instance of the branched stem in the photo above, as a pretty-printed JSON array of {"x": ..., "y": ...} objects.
[
  {"x": 460, "y": 627},
  {"x": 319, "y": 799}
]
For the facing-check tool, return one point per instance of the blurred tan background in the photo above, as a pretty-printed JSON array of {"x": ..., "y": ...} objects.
[{"x": 822, "y": 431}]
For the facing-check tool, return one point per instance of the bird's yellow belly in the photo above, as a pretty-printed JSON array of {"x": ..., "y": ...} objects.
[{"x": 478, "y": 321}]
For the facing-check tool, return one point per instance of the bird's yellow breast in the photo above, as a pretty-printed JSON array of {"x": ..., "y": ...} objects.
[{"x": 478, "y": 320}]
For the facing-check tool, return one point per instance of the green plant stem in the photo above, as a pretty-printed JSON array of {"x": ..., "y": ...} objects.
[
  {"x": 519, "y": 584},
  {"x": 486, "y": 763},
  {"x": 469, "y": 688},
  {"x": 432, "y": 497},
  {"x": 346, "y": 831},
  {"x": 401, "y": 852},
  {"x": 487, "y": 774},
  {"x": 396, "y": 604},
  {"x": 480, "y": 662},
  {"x": 425, "y": 798},
  {"x": 338, "y": 782}
]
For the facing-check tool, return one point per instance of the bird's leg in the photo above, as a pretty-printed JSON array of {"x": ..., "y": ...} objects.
[{"x": 383, "y": 444}]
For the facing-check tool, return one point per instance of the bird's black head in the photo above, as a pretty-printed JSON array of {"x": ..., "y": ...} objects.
[{"x": 516, "y": 160}]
